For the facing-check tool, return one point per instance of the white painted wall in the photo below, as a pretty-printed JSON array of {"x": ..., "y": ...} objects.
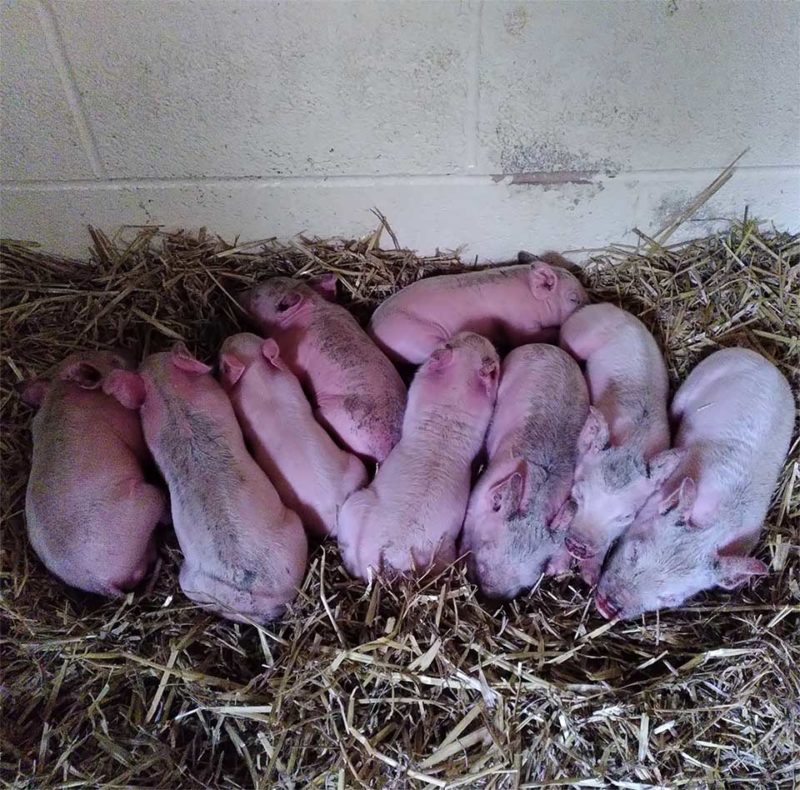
[{"x": 497, "y": 125}]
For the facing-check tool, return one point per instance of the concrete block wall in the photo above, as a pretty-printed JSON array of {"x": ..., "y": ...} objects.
[{"x": 491, "y": 124}]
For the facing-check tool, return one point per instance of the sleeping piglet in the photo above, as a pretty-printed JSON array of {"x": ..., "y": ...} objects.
[
  {"x": 519, "y": 508},
  {"x": 312, "y": 475},
  {"x": 89, "y": 511},
  {"x": 408, "y": 519},
  {"x": 358, "y": 394},
  {"x": 507, "y": 304},
  {"x": 735, "y": 414},
  {"x": 623, "y": 454},
  {"x": 244, "y": 550}
]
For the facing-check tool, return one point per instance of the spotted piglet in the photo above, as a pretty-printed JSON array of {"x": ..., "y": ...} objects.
[
  {"x": 90, "y": 513},
  {"x": 519, "y": 508},
  {"x": 358, "y": 394},
  {"x": 244, "y": 550},
  {"x": 623, "y": 454},
  {"x": 409, "y": 518},
  {"x": 735, "y": 414}
]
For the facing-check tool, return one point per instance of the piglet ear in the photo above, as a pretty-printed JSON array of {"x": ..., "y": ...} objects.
[
  {"x": 441, "y": 358},
  {"x": 562, "y": 519},
  {"x": 507, "y": 494},
  {"x": 289, "y": 302},
  {"x": 325, "y": 285},
  {"x": 734, "y": 571},
  {"x": 687, "y": 496},
  {"x": 231, "y": 368},
  {"x": 489, "y": 372},
  {"x": 543, "y": 280},
  {"x": 32, "y": 392},
  {"x": 271, "y": 351},
  {"x": 682, "y": 498},
  {"x": 594, "y": 435},
  {"x": 184, "y": 360},
  {"x": 661, "y": 466},
  {"x": 84, "y": 374},
  {"x": 126, "y": 386}
]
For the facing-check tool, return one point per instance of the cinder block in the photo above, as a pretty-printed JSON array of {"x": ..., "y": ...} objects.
[
  {"x": 491, "y": 219},
  {"x": 619, "y": 85},
  {"x": 228, "y": 88},
  {"x": 39, "y": 138}
]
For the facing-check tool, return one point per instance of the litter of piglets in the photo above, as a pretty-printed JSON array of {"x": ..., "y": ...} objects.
[{"x": 578, "y": 463}]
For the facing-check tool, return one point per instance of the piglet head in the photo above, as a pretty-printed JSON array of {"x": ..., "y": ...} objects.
[
  {"x": 498, "y": 497},
  {"x": 466, "y": 357},
  {"x": 507, "y": 541},
  {"x": 183, "y": 359},
  {"x": 555, "y": 285},
  {"x": 479, "y": 359},
  {"x": 173, "y": 366},
  {"x": 276, "y": 302},
  {"x": 86, "y": 370},
  {"x": 665, "y": 558},
  {"x": 240, "y": 352},
  {"x": 237, "y": 354},
  {"x": 611, "y": 485}
]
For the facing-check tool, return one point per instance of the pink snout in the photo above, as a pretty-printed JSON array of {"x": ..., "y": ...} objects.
[
  {"x": 580, "y": 549},
  {"x": 607, "y": 606},
  {"x": 497, "y": 579}
]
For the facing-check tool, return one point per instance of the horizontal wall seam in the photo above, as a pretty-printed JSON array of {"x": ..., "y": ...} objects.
[{"x": 520, "y": 180}]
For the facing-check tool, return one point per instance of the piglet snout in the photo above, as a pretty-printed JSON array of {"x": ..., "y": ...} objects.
[
  {"x": 578, "y": 548},
  {"x": 607, "y": 606}
]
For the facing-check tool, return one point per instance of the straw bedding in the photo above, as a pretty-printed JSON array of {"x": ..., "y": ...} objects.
[{"x": 423, "y": 685}]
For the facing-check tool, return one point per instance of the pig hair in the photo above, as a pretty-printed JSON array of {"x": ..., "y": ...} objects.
[
  {"x": 620, "y": 466},
  {"x": 529, "y": 534},
  {"x": 199, "y": 451}
]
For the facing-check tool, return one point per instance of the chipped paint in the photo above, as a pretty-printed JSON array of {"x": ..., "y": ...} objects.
[
  {"x": 516, "y": 20},
  {"x": 518, "y": 155}
]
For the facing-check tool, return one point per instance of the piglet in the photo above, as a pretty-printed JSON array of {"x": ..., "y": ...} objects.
[
  {"x": 735, "y": 414},
  {"x": 409, "y": 518},
  {"x": 519, "y": 508},
  {"x": 507, "y": 304},
  {"x": 358, "y": 394},
  {"x": 244, "y": 551},
  {"x": 89, "y": 511},
  {"x": 312, "y": 475},
  {"x": 623, "y": 454}
]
